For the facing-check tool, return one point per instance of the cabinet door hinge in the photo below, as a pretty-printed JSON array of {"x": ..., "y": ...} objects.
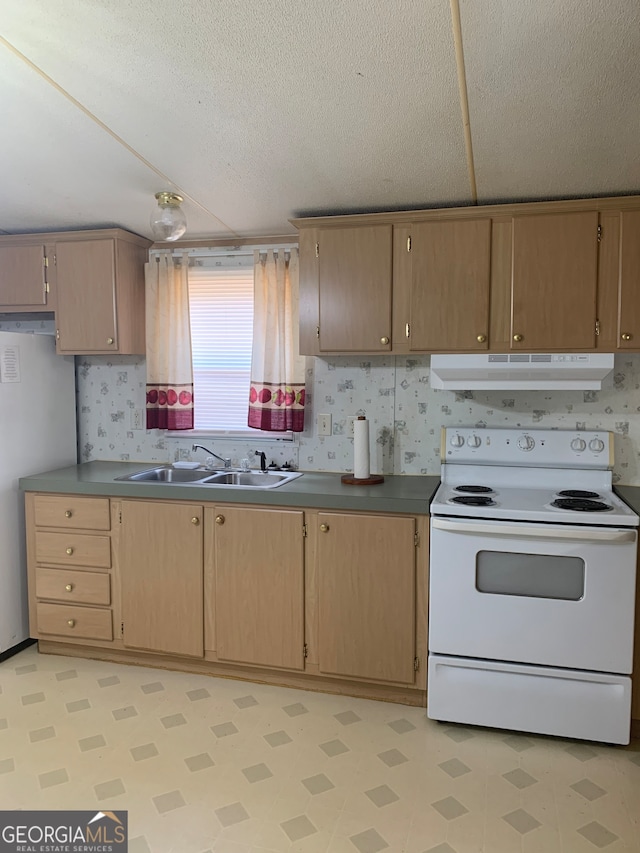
[
  {"x": 408, "y": 244},
  {"x": 57, "y": 334},
  {"x": 416, "y": 539},
  {"x": 122, "y": 629},
  {"x": 119, "y": 516},
  {"x": 599, "y": 233},
  {"x": 317, "y": 250},
  {"x": 317, "y": 331},
  {"x": 304, "y": 530},
  {"x": 416, "y": 664},
  {"x": 597, "y": 327},
  {"x": 407, "y": 330},
  {"x": 305, "y": 651},
  {"x": 45, "y": 261}
]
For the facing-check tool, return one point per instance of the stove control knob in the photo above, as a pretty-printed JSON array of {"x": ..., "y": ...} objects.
[
  {"x": 474, "y": 441},
  {"x": 457, "y": 440},
  {"x": 597, "y": 445},
  {"x": 578, "y": 444},
  {"x": 525, "y": 442}
]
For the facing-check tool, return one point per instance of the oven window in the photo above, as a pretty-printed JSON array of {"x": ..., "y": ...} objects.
[{"x": 531, "y": 575}]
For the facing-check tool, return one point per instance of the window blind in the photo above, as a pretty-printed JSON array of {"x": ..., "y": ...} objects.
[{"x": 221, "y": 308}]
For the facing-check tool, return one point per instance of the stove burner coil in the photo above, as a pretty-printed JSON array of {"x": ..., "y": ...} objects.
[
  {"x": 577, "y": 493},
  {"x": 474, "y": 489},
  {"x": 581, "y": 505},
  {"x": 473, "y": 500}
]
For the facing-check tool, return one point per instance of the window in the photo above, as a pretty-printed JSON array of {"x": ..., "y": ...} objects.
[{"x": 221, "y": 308}]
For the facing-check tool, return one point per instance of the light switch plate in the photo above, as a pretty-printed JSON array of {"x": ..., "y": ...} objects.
[{"x": 324, "y": 424}]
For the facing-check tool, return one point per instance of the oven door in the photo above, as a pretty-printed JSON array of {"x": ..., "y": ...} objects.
[{"x": 555, "y": 595}]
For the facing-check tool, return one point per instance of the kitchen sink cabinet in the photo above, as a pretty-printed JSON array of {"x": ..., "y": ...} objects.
[
  {"x": 255, "y": 586},
  {"x": 442, "y": 278},
  {"x": 70, "y": 568},
  {"x": 366, "y": 576},
  {"x": 345, "y": 290},
  {"x": 23, "y": 277},
  {"x": 161, "y": 557}
]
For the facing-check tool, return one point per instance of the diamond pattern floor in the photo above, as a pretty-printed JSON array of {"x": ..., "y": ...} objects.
[{"x": 209, "y": 765}]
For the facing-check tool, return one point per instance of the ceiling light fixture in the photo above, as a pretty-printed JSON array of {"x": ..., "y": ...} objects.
[{"x": 168, "y": 221}]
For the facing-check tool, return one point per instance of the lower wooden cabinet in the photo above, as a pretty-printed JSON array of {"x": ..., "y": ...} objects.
[
  {"x": 367, "y": 596},
  {"x": 161, "y": 555},
  {"x": 255, "y": 608}
]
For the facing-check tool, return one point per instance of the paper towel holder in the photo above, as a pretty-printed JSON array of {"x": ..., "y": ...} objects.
[{"x": 350, "y": 480}]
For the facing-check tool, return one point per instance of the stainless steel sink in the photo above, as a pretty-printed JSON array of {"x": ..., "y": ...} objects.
[
  {"x": 252, "y": 479},
  {"x": 166, "y": 474},
  {"x": 202, "y": 477}
]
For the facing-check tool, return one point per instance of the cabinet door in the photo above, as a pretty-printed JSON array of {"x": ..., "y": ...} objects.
[
  {"x": 162, "y": 569},
  {"x": 354, "y": 283},
  {"x": 629, "y": 285},
  {"x": 259, "y": 586},
  {"x": 449, "y": 286},
  {"x": 555, "y": 267},
  {"x": 86, "y": 295},
  {"x": 367, "y": 596},
  {"x": 22, "y": 277}
]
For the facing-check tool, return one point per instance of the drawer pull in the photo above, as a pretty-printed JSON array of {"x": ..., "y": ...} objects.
[
  {"x": 195, "y": 520},
  {"x": 109, "y": 341},
  {"x": 71, "y": 623},
  {"x": 384, "y": 340},
  {"x": 69, "y": 551},
  {"x": 69, "y": 587},
  {"x": 68, "y": 514},
  {"x": 219, "y": 519},
  {"x": 324, "y": 528},
  {"x": 626, "y": 336}
]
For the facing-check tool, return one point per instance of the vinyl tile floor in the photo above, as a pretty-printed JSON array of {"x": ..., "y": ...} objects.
[{"x": 207, "y": 764}]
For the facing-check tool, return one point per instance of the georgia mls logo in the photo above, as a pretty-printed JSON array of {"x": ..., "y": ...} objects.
[{"x": 63, "y": 832}]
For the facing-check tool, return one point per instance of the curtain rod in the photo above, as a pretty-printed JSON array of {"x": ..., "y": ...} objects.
[{"x": 222, "y": 251}]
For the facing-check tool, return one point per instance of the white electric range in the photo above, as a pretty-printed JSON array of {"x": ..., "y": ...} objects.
[{"x": 532, "y": 583}]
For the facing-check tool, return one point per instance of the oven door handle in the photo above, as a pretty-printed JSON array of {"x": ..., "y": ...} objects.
[{"x": 547, "y": 532}]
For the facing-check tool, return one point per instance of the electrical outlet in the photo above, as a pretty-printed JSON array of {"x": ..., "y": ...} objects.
[
  {"x": 324, "y": 424},
  {"x": 350, "y": 428},
  {"x": 136, "y": 419}
]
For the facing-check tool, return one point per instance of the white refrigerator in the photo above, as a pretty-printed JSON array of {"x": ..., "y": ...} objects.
[{"x": 37, "y": 433}]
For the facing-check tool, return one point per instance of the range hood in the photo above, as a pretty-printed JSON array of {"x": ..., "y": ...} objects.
[{"x": 521, "y": 371}]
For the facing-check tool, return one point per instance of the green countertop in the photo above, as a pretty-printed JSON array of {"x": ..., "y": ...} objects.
[{"x": 403, "y": 494}]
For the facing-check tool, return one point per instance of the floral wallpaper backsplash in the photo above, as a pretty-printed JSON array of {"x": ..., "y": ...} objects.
[{"x": 404, "y": 412}]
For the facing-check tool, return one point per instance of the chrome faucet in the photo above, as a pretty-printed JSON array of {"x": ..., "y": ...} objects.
[{"x": 225, "y": 462}]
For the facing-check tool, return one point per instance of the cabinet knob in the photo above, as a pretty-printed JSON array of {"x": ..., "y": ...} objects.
[
  {"x": 324, "y": 527},
  {"x": 219, "y": 519},
  {"x": 384, "y": 340},
  {"x": 481, "y": 339},
  {"x": 109, "y": 341},
  {"x": 195, "y": 520},
  {"x": 626, "y": 336},
  {"x": 518, "y": 338},
  {"x": 69, "y": 551},
  {"x": 69, "y": 587},
  {"x": 68, "y": 514},
  {"x": 71, "y": 623}
]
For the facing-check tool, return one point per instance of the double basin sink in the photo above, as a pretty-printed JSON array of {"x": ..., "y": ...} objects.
[{"x": 202, "y": 477}]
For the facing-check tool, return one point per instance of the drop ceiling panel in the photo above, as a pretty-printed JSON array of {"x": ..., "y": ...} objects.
[
  {"x": 261, "y": 112},
  {"x": 554, "y": 98}
]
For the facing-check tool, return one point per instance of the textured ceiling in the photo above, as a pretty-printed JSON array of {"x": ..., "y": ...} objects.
[{"x": 261, "y": 111}]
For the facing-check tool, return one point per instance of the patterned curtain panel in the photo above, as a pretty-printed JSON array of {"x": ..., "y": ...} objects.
[
  {"x": 168, "y": 331},
  {"x": 276, "y": 397}
]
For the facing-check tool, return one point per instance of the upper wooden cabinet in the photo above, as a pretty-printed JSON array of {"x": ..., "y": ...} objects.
[
  {"x": 93, "y": 280},
  {"x": 23, "y": 279},
  {"x": 442, "y": 279},
  {"x": 346, "y": 290},
  {"x": 554, "y": 281},
  {"x": 531, "y": 277}
]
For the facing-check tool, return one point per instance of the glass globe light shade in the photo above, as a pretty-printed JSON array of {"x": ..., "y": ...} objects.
[{"x": 168, "y": 221}]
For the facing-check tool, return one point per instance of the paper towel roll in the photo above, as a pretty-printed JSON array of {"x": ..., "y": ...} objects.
[{"x": 361, "y": 448}]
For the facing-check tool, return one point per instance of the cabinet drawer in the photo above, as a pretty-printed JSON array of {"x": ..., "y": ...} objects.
[
  {"x": 72, "y": 512},
  {"x": 73, "y": 587},
  {"x": 73, "y": 549},
  {"x": 70, "y": 621}
]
